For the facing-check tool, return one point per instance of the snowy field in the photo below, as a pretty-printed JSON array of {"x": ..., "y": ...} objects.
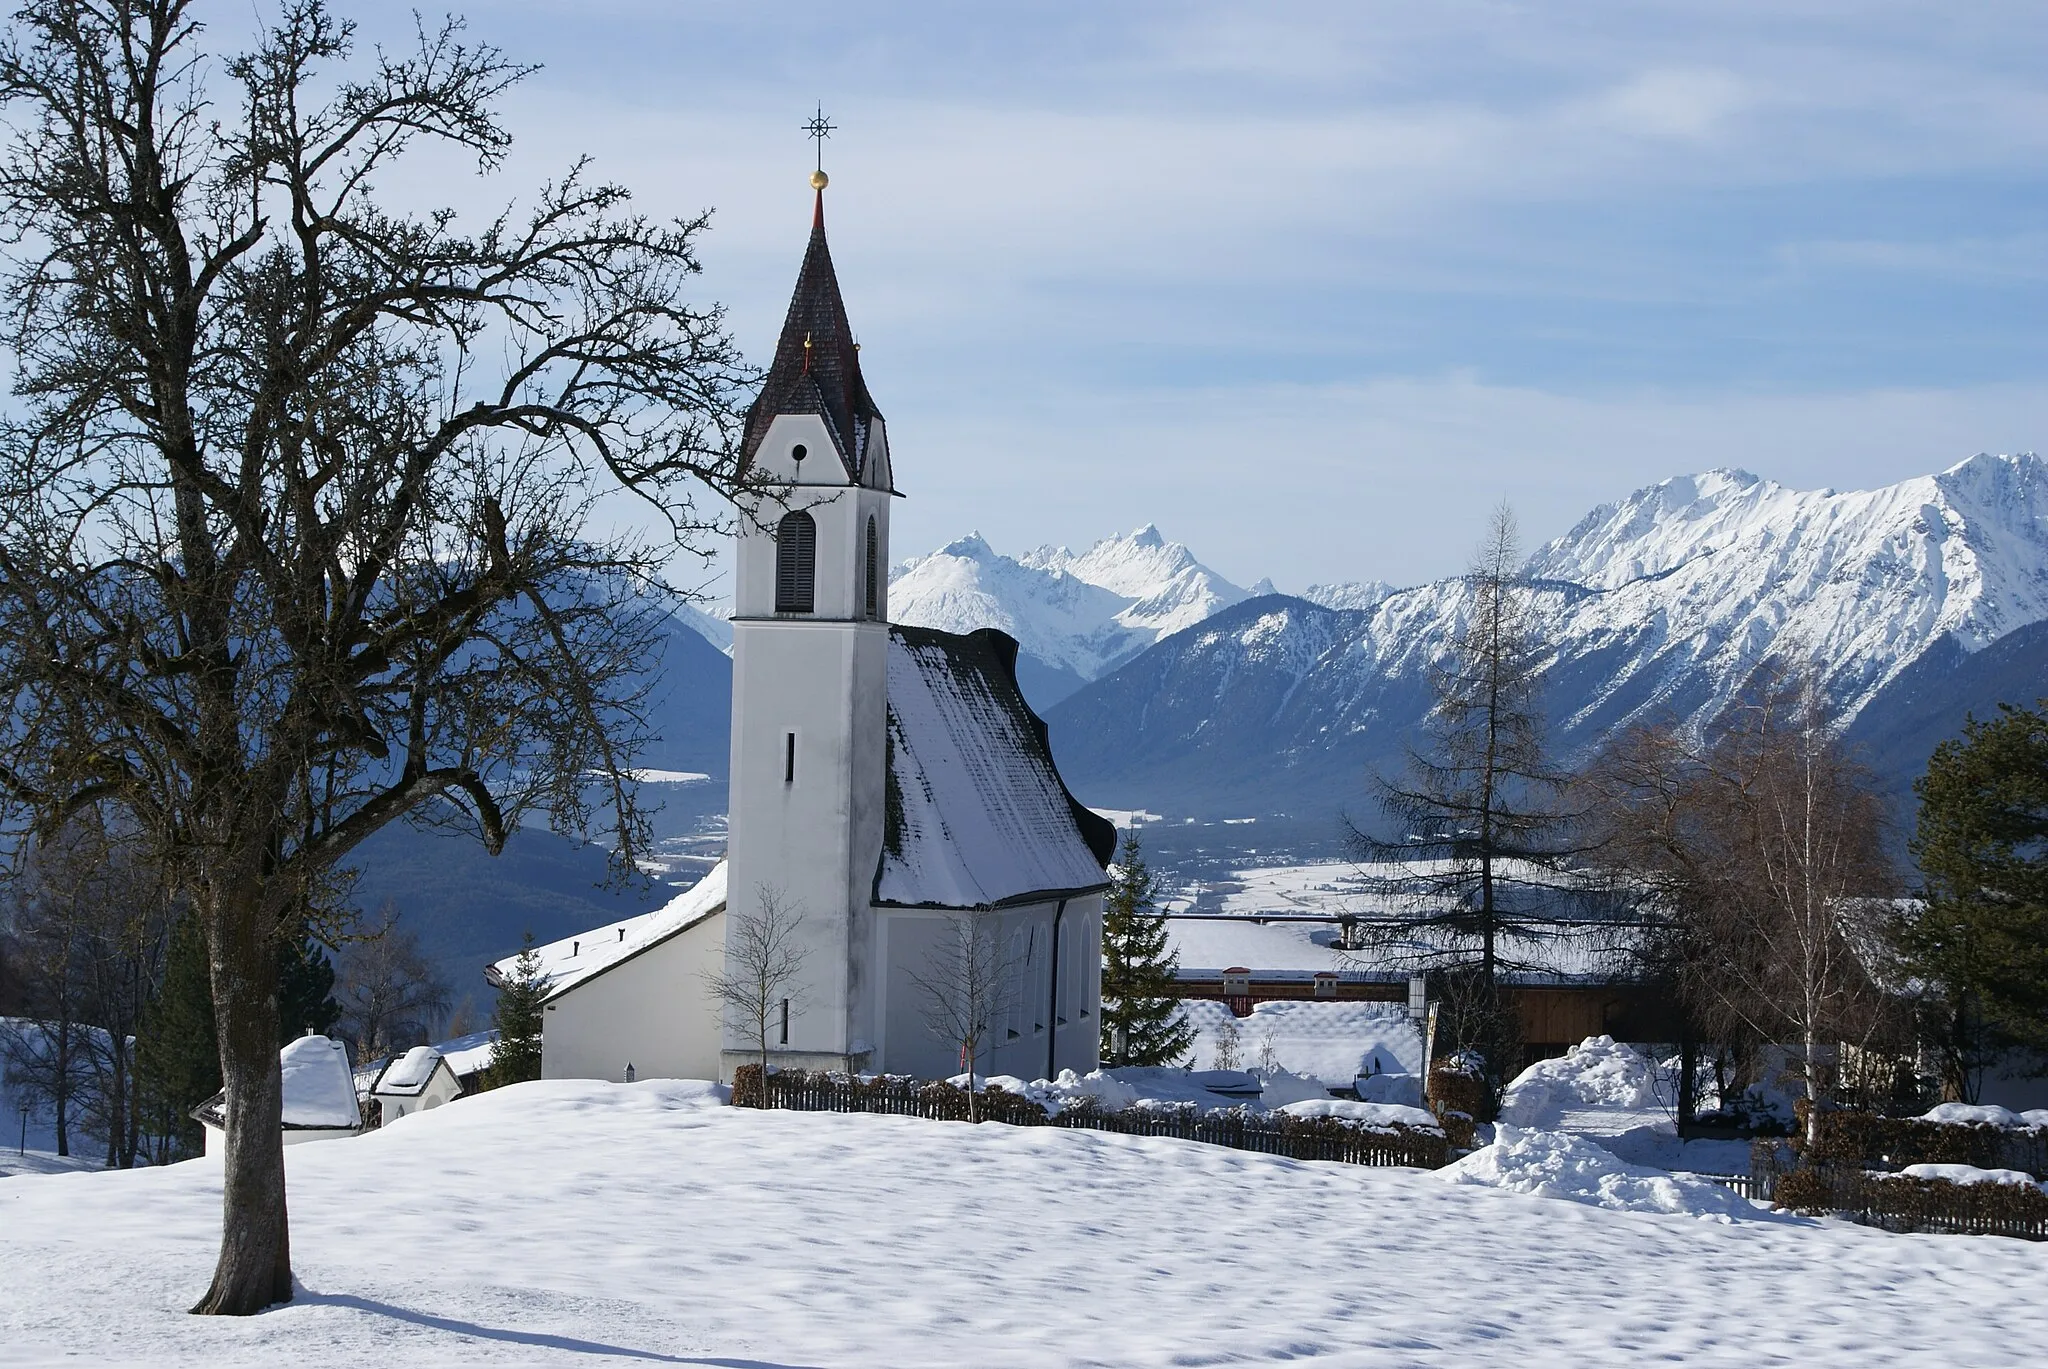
[{"x": 590, "y": 1223}]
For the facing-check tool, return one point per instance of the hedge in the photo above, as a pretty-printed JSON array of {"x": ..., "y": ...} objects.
[
  {"x": 1301, "y": 1138},
  {"x": 1866, "y": 1140},
  {"x": 1898, "y": 1202}
]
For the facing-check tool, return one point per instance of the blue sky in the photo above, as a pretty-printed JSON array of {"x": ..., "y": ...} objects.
[{"x": 1313, "y": 286}]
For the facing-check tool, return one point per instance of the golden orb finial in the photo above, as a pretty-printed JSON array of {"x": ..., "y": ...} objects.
[{"x": 819, "y": 180}]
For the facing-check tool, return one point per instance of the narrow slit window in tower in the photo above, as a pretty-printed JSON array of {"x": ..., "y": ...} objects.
[
  {"x": 789, "y": 758},
  {"x": 796, "y": 563},
  {"x": 874, "y": 597}
]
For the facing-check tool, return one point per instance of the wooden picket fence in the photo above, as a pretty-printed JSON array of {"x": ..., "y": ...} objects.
[{"x": 1299, "y": 1138}]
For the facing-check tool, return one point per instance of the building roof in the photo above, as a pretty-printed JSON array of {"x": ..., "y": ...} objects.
[
  {"x": 817, "y": 366},
  {"x": 977, "y": 816},
  {"x": 408, "y": 1075},
  {"x": 578, "y": 959},
  {"x": 1285, "y": 951},
  {"x": 319, "y": 1088}
]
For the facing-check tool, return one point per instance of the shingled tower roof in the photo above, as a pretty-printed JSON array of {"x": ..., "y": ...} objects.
[{"x": 816, "y": 368}]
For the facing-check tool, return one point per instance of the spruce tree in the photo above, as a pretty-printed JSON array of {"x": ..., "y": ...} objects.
[
  {"x": 1981, "y": 944},
  {"x": 521, "y": 999},
  {"x": 1142, "y": 1021},
  {"x": 177, "y": 1064}
]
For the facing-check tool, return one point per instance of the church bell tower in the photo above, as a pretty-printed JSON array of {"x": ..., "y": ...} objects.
[{"x": 809, "y": 675}]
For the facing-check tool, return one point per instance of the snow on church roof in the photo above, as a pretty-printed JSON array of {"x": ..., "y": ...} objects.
[
  {"x": 977, "y": 815},
  {"x": 574, "y": 959}
]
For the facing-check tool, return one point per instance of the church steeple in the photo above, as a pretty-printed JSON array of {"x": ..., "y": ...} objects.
[{"x": 817, "y": 365}]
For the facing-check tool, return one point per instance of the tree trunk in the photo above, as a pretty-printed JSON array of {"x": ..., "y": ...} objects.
[
  {"x": 60, "y": 1091},
  {"x": 255, "y": 1268}
]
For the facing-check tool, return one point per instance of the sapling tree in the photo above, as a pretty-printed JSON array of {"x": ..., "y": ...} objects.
[
  {"x": 758, "y": 990},
  {"x": 295, "y": 485},
  {"x": 967, "y": 987}
]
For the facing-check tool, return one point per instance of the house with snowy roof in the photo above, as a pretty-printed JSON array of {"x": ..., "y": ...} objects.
[
  {"x": 319, "y": 1096},
  {"x": 889, "y": 785}
]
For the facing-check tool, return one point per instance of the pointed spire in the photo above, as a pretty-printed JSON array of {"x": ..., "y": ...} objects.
[{"x": 817, "y": 363}]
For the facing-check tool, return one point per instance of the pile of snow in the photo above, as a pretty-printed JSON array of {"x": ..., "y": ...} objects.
[
  {"x": 574, "y": 1222},
  {"x": 1378, "y": 1116},
  {"x": 1982, "y": 1115},
  {"x": 1599, "y": 1072},
  {"x": 1551, "y": 1164},
  {"x": 1970, "y": 1174}
]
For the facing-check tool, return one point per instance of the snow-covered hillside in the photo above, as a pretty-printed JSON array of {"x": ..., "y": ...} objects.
[
  {"x": 1083, "y": 614},
  {"x": 1660, "y": 606},
  {"x": 575, "y": 1222}
]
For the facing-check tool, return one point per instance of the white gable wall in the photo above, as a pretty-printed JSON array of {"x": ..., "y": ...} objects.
[
  {"x": 652, "y": 1010},
  {"x": 1050, "y": 1023}
]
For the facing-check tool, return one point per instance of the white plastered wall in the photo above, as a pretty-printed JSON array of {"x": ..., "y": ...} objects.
[
  {"x": 652, "y": 1011},
  {"x": 811, "y": 839},
  {"x": 1048, "y": 1025}
]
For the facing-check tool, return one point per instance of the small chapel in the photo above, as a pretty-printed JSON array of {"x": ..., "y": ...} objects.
[{"x": 890, "y": 791}]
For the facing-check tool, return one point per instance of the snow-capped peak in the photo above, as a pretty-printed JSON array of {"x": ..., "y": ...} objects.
[{"x": 1087, "y": 612}]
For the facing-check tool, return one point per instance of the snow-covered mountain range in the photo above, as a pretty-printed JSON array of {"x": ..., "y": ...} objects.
[
  {"x": 1658, "y": 606},
  {"x": 1075, "y": 616}
]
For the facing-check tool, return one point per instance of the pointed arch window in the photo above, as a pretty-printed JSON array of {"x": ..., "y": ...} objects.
[
  {"x": 796, "y": 563},
  {"x": 874, "y": 597}
]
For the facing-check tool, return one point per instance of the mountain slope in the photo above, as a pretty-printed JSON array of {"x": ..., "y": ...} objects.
[{"x": 1658, "y": 607}]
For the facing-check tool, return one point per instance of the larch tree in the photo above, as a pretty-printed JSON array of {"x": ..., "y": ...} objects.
[
  {"x": 1980, "y": 944},
  {"x": 1474, "y": 864},
  {"x": 1142, "y": 1019},
  {"x": 296, "y": 487}
]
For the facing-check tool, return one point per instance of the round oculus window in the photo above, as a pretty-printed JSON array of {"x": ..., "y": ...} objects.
[{"x": 798, "y": 452}]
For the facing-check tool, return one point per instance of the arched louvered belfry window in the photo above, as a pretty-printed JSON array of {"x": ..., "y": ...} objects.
[
  {"x": 874, "y": 558},
  {"x": 796, "y": 563}
]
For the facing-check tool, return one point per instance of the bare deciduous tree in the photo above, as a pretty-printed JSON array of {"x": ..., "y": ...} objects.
[
  {"x": 764, "y": 958},
  {"x": 294, "y": 496},
  {"x": 390, "y": 995},
  {"x": 1766, "y": 852},
  {"x": 967, "y": 987}
]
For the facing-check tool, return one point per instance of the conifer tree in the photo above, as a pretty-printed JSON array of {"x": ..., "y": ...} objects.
[
  {"x": 177, "y": 1062},
  {"x": 521, "y": 999},
  {"x": 1981, "y": 945},
  {"x": 1142, "y": 1021}
]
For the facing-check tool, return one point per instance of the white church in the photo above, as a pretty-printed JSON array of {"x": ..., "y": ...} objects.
[{"x": 888, "y": 783}]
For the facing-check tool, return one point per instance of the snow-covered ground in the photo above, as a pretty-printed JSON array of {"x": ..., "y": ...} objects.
[{"x": 572, "y": 1222}]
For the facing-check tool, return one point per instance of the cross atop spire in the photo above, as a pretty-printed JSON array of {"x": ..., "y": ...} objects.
[{"x": 820, "y": 128}]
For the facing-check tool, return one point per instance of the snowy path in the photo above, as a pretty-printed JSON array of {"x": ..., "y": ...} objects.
[{"x": 592, "y": 1223}]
